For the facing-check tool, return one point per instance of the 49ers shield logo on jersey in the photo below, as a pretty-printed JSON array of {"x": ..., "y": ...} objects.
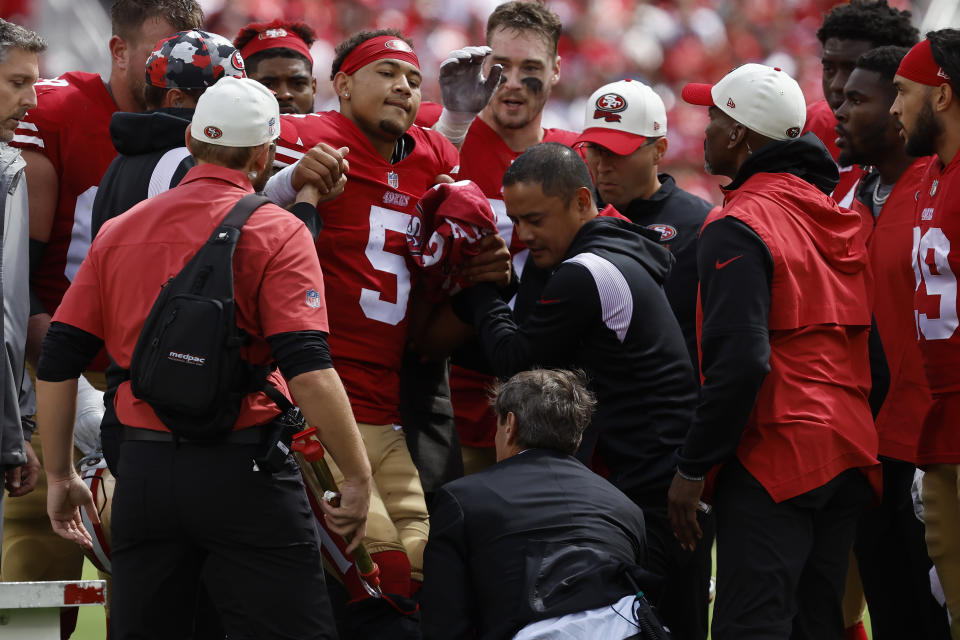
[{"x": 608, "y": 106}]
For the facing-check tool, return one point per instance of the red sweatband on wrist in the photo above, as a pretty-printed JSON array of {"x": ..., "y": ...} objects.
[
  {"x": 919, "y": 66},
  {"x": 274, "y": 36},
  {"x": 377, "y": 49}
]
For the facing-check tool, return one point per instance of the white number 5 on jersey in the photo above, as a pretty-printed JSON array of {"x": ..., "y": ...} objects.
[
  {"x": 373, "y": 305},
  {"x": 942, "y": 283}
]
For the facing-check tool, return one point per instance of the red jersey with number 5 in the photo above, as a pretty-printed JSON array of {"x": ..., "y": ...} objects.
[
  {"x": 936, "y": 261},
  {"x": 363, "y": 253},
  {"x": 70, "y": 126}
]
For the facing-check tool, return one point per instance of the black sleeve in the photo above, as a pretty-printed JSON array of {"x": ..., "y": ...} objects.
[
  {"x": 736, "y": 270},
  {"x": 66, "y": 352},
  {"x": 310, "y": 216},
  {"x": 568, "y": 305},
  {"x": 879, "y": 371},
  {"x": 298, "y": 352},
  {"x": 36, "y": 250},
  {"x": 447, "y": 601}
]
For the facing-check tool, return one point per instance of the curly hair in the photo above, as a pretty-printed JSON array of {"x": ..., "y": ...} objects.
[
  {"x": 344, "y": 48},
  {"x": 945, "y": 47},
  {"x": 872, "y": 21},
  {"x": 301, "y": 29}
]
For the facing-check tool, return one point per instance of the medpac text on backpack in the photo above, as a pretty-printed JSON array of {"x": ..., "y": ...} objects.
[{"x": 187, "y": 363}]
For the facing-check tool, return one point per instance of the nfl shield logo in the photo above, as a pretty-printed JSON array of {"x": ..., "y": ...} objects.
[
  {"x": 393, "y": 179},
  {"x": 313, "y": 299}
]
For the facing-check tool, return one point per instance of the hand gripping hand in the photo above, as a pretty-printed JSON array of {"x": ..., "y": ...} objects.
[{"x": 464, "y": 91}]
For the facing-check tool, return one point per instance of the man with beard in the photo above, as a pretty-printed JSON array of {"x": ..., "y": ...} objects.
[
  {"x": 891, "y": 553},
  {"x": 928, "y": 109},
  {"x": 66, "y": 144},
  {"x": 277, "y": 55},
  {"x": 783, "y": 408},
  {"x": 849, "y": 30}
]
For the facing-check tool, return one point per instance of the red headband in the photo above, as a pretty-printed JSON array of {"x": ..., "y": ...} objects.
[
  {"x": 377, "y": 49},
  {"x": 919, "y": 66},
  {"x": 276, "y": 37}
]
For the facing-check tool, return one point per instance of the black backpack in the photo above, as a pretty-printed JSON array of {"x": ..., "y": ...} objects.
[{"x": 187, "y": 362}]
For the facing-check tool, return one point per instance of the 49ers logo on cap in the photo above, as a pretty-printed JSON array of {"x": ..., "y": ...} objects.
[
  {"x": 793, "y": 132},
  {"x": 609, "y": 106},
  {"x": 212, "y": 132},
  {"x": 237, "y": 60},
  {"x": 398, "y": 45}
]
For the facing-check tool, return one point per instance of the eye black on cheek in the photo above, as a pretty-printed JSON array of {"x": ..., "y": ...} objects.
[{"x": 535, "y": 85}]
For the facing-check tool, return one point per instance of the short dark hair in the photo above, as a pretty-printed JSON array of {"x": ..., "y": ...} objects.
[
  {"x": 218, "y": 154},
  {"x": 526, "y": 16},
  {"x": 13, "y": 36},
  {"x": 872, "y": 21},
  {"x": 945, "y": 47},
  {"x": 555, "y": 167},
  {"x": 883, "y": 60},
  {"x": 343, "y": 49},
  {"x": 252, "y": 30},
  {"x": 128, "y": 16},
  {"x": 552, "y": 408},
  {"x": 153, "y": 96}
]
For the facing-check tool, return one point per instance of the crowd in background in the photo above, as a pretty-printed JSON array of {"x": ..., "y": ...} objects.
[{"x": 663, "y": 43}]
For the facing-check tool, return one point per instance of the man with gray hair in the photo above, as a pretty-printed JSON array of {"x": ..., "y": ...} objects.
[
  {"x": 536, "y": 538},
  {"x": 19, "y": 48}
]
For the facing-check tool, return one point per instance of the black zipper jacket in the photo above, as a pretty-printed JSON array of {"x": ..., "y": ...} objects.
[{"x": 603, "y": 310}]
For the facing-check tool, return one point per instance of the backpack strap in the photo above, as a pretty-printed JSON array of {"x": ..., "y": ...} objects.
[{"x": 229, "y": 228}]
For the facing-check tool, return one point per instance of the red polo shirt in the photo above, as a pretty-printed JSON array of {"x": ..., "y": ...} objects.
[{"x": 276, "y": 277}]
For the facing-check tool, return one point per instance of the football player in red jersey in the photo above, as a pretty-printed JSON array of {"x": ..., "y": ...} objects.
[
  {"x": 928, "y": 108},
  {"x": 849, "y": 30},
  {"x": 277, "y": 55},
  {"x": 522, "y": 41},
  {"x": 363, "y": 252},
  {"x": 66, "y": 144},
  {"x": 889, "y": 544}
]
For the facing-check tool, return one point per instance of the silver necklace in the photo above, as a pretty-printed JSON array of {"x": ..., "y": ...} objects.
[{"x": 879, "y": 201}]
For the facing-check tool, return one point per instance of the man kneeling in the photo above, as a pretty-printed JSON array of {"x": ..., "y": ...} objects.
[{"x": 537, "y": 536}]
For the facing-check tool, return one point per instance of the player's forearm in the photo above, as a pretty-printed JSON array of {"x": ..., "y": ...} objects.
[
  {"x": 56, "y": 408},
  {"x": 324, "y": 404}
]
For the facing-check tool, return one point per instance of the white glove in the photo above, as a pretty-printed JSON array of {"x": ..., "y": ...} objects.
[
  {"x": 464, "y": 92},
  {"x": 86, "y": 428}
]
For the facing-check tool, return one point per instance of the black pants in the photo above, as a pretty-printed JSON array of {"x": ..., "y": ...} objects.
[
  {"x": 683, "y": 601},
  {"x": 193, "y": 513},
  {"x": 894, "y": 566},
  {"x": 781, "y": 567}
]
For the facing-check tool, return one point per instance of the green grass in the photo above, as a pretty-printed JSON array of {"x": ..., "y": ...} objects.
[{"x": 92, "y": 623}]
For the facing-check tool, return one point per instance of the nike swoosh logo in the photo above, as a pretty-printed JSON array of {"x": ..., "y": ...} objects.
[{"x": 721, "y": 265}]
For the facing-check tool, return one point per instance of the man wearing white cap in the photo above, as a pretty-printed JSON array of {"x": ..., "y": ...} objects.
[
  {"x": 181, "y": 512},
  {"x": 783, "y": 412},
  {"x": 624, "y": 139}
]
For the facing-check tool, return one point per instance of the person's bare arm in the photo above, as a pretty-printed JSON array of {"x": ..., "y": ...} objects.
[
  {"x": 43, "y": 188},
  {"x": 323, "y": 401},
  {"x": 66, "y": 491}
]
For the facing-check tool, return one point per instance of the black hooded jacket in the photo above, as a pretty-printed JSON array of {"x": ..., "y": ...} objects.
[
  {"x": 603, "y": 310},
  {"x": 152, "y": 159},
  {"x": 736, "y": 273}
]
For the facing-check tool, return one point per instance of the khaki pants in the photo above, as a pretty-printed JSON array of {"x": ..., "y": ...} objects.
[
  {"x": 398, "y": 519},
  {"x": 31, "y": 550},
  {"x": 941, "y": 512}
]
